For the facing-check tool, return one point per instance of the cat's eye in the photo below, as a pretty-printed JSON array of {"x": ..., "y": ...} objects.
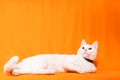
[
  {"x": 83, "y": 47},
  {"x": 90, "y": 48}
]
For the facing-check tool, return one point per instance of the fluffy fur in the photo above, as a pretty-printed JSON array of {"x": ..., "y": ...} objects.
[{"x": 52, "y": 63}]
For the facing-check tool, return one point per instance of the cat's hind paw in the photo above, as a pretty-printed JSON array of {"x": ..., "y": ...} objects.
[
  {"x": 51, "y": 71},
  {"x": 15, "y": 72}
]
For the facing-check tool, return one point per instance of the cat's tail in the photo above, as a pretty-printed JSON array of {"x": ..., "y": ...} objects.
[{"x": 10, "y": 64}]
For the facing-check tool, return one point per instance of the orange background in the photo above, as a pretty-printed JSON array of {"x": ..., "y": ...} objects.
[{"x": 30, "y": 27}]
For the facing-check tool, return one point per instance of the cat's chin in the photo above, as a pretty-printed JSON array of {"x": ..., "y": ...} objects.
[{"x": 86, "y": 56}]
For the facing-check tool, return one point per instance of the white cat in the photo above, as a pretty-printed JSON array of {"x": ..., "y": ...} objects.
[{"x": 52, "y": 63}]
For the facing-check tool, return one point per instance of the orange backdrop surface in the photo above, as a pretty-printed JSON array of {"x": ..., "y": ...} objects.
[{"x": 31, "y": 27}]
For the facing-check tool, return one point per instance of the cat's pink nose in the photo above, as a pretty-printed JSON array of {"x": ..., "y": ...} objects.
[{"x": 85, "y": 49}]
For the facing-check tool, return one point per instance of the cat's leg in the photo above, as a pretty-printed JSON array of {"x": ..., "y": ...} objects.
[
  {"x": 81, "y": 68},
  {"x": 44, "y": 71},
  {"x": 17, "y": 70},
  {"x": 72, "y": 67},
  {"x": 31, "y": 68},
  {"x": 87, "y": 68},
  {"x": 92, "y": 68}
]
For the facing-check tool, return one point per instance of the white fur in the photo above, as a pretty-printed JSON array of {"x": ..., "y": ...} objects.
[{"x": 52, "y": 63}]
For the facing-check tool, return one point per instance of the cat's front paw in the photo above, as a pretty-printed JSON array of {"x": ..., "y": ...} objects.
[
  {"x": 82, "y": 71},
  {"x": 87, "y": 69},
  {"x": 93, "y": 69}
]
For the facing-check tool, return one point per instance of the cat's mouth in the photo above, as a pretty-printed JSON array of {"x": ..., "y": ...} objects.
[{"x": 86, "y": 55}]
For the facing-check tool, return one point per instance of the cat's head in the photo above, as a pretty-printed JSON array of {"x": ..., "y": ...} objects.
[{"x": 88, "y": 51}]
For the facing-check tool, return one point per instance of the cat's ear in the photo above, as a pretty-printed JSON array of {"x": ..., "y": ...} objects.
[
  {"x": 95, "y": 44},
  {"x": 83, "y": 42}
]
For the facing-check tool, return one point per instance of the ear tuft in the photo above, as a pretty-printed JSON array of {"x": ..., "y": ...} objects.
[
  {"x": 83, "y": 42},
  {"x": 95, "y": 44}
]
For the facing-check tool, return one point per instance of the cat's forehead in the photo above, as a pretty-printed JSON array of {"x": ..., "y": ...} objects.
[{"x": 87, "y": 45}]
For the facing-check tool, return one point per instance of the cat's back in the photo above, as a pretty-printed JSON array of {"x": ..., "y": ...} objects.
[
  {"x": 48, "y": 56},
  {"x": 52, "y": 56}
]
